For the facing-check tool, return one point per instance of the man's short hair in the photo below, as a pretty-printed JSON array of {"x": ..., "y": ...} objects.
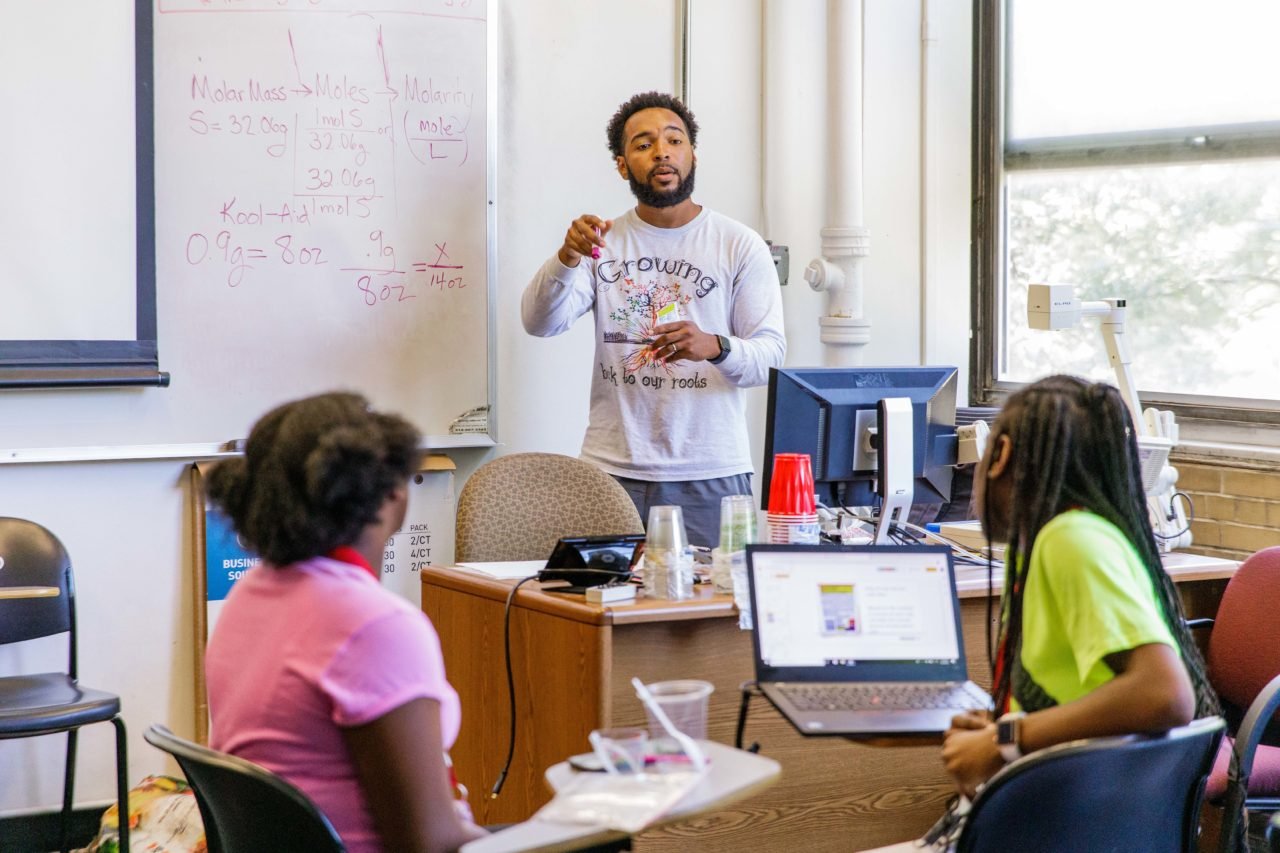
[{"x": 648, "y": 101}]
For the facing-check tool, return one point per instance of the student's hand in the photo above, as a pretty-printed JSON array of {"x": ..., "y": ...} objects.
[
  {"x": 971, "y": 757},
  {"x": 684, "y": 340},
  {"x": 584, "y": 232},
  {"x": 971, "y": 720}
]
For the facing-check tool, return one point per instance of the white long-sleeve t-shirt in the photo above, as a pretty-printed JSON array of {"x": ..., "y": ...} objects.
[{"x": 685, "y": 420}]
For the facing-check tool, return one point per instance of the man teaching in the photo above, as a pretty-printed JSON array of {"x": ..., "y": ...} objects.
[{"x": 687, "y": 313}]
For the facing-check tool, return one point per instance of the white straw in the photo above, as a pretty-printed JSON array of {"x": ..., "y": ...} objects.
[{"x": 688, "y": 744}]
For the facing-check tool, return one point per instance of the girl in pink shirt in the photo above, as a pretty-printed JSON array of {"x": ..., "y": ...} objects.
[{"x": 314, "y": 671}]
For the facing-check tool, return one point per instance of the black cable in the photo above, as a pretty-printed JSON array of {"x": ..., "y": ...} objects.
[
  {"x": 749, "y": 689},
  {"x": 991, "y": 587},
  {"x": 991, "y": 593},
  {"x": 506, "y": 645},
  {"x": 511, "y": 685},
  {"x": 1191, "y": 514},
  {"x": 909, "y": 531}
]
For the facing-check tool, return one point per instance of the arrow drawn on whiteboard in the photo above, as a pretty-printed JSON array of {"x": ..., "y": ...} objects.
[
  {"x": 305, "y": 90},
  {"x": 386, "y": 70}
]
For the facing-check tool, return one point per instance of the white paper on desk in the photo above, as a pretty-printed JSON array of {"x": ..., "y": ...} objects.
[
  {"x": 509, "y": 569},
  {"x": 627, "y": 802}
]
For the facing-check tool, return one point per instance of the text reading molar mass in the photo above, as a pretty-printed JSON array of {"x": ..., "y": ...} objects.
[
  {"x": 430, "y": 119},
  {"x": 330, "y": 88}
]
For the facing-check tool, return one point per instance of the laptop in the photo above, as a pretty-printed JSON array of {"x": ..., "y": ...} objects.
[{"x": 860, "y": 640}]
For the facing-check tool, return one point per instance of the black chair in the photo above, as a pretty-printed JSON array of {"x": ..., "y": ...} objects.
[
  {"x": 1131, "y": 794},
  {"x": 32, "y": 562},
  {"x": 247, "y": 808}
]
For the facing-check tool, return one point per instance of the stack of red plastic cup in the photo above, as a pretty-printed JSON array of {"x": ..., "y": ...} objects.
[{"x": 793, "y": 514}]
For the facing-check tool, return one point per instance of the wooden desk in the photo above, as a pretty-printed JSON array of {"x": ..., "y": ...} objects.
[
  {"x": 11, "y": 592},
  {"x": 731, "y": 775},
  {"x": 572, "y": 664}
]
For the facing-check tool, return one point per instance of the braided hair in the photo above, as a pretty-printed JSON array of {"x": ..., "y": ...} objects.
[
  {"x": 314, "y": 474},
  {"x": 1074, "y": 445}
]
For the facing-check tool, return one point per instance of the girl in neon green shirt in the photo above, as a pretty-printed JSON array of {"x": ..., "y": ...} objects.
[{"x": 1093, "y": 640}]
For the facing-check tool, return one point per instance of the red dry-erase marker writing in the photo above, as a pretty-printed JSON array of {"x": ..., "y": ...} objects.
[{"x": 595, "y": 250}]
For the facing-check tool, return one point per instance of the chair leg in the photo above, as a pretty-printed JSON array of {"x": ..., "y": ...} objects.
[
  {"x": 68, "y": 790},
  {"x": 122, "y": 782}
]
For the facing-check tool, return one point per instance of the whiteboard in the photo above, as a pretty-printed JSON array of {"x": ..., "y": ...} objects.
[{"x": 324, "y": 217}]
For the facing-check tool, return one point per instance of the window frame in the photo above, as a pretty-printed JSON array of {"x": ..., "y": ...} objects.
[{"x": 1212, "y": 418}]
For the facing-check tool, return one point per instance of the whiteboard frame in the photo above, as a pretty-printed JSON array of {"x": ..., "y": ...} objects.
[
  {"x": 491, "y": 217},
  {"x": 192, "y": 452}
]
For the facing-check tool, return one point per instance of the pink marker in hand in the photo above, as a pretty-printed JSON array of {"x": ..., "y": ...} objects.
[{"x": 595, "y": 250}]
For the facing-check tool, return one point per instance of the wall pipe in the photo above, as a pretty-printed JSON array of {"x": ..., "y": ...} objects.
[
  {"x": 845, "y": 240},
  {"x": 684, "y": 18}
]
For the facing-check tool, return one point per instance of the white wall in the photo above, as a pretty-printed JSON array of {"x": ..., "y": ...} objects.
[{"x": 563, "y": 71}]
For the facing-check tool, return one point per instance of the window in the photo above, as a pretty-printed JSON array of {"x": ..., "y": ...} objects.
[{"x": 1132, "y": 148}]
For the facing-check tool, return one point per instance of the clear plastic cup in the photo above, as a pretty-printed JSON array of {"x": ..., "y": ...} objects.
[
  {"x": 668, "y": 560},
  {"x": 668, "y": 573},
  {"x": 737, "y": 522},
  {"x": 722, "y": 570},
  {"x": 624, "y": 749},
  {"x": 666, "y": 529},
  {"x": 685, "y": 704}
]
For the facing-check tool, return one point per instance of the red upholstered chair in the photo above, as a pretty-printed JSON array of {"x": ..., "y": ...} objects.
[{"x": 1244, "y": 667}]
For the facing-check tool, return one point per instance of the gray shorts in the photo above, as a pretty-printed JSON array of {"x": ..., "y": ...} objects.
[{"x": 699, "y": 500}]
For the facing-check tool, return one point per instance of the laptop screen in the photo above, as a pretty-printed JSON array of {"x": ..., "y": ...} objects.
[{"x": 855, "y": 613}]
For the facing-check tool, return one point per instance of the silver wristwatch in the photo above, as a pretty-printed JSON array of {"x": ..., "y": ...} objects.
[{"x": 1009, "y": 735}]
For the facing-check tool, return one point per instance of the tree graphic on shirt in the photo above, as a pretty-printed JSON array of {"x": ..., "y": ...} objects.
[{"x": 636, "y": 319}]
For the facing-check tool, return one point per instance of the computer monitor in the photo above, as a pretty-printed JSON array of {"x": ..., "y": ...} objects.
[{"x": 830, "y": 412}]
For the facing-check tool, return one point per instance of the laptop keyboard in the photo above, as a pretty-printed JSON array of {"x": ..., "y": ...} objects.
[{"x": 873, "y": 697}]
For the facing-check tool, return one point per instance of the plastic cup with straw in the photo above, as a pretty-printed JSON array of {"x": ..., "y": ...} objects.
[{"x": 688, "y": 744}]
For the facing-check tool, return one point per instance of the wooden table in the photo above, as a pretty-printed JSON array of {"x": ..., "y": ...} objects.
[
  {"x": 731, "y": 776},
  {"x": 572, "y": 664},
  {"x": 10, "y": 592}
]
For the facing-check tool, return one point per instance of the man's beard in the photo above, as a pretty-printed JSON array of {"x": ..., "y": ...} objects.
[{"x": 647, "y": 195}]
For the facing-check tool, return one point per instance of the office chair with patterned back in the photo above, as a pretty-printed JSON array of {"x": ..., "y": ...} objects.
[
  {"x": 1244, "y": 667},
  {"x": 1136, "y": 794},
  {"x": 516, "y": 507},
  {"x": 38, "y": 599},
  {"x": 247, "y": 808}
]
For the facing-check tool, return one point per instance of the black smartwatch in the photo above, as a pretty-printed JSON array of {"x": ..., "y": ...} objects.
[
  {"x": 724, "y": 350},
  {"x": 1008, "y": 735}
]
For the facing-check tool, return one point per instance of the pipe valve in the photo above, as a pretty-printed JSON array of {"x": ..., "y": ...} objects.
[{"x": 824, "y": 275}]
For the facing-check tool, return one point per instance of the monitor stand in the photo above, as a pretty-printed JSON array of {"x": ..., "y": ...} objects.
[{"x": 895, "y": 477}]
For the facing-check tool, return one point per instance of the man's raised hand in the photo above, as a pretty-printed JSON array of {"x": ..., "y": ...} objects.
[{"x": 585, "y": 232}]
